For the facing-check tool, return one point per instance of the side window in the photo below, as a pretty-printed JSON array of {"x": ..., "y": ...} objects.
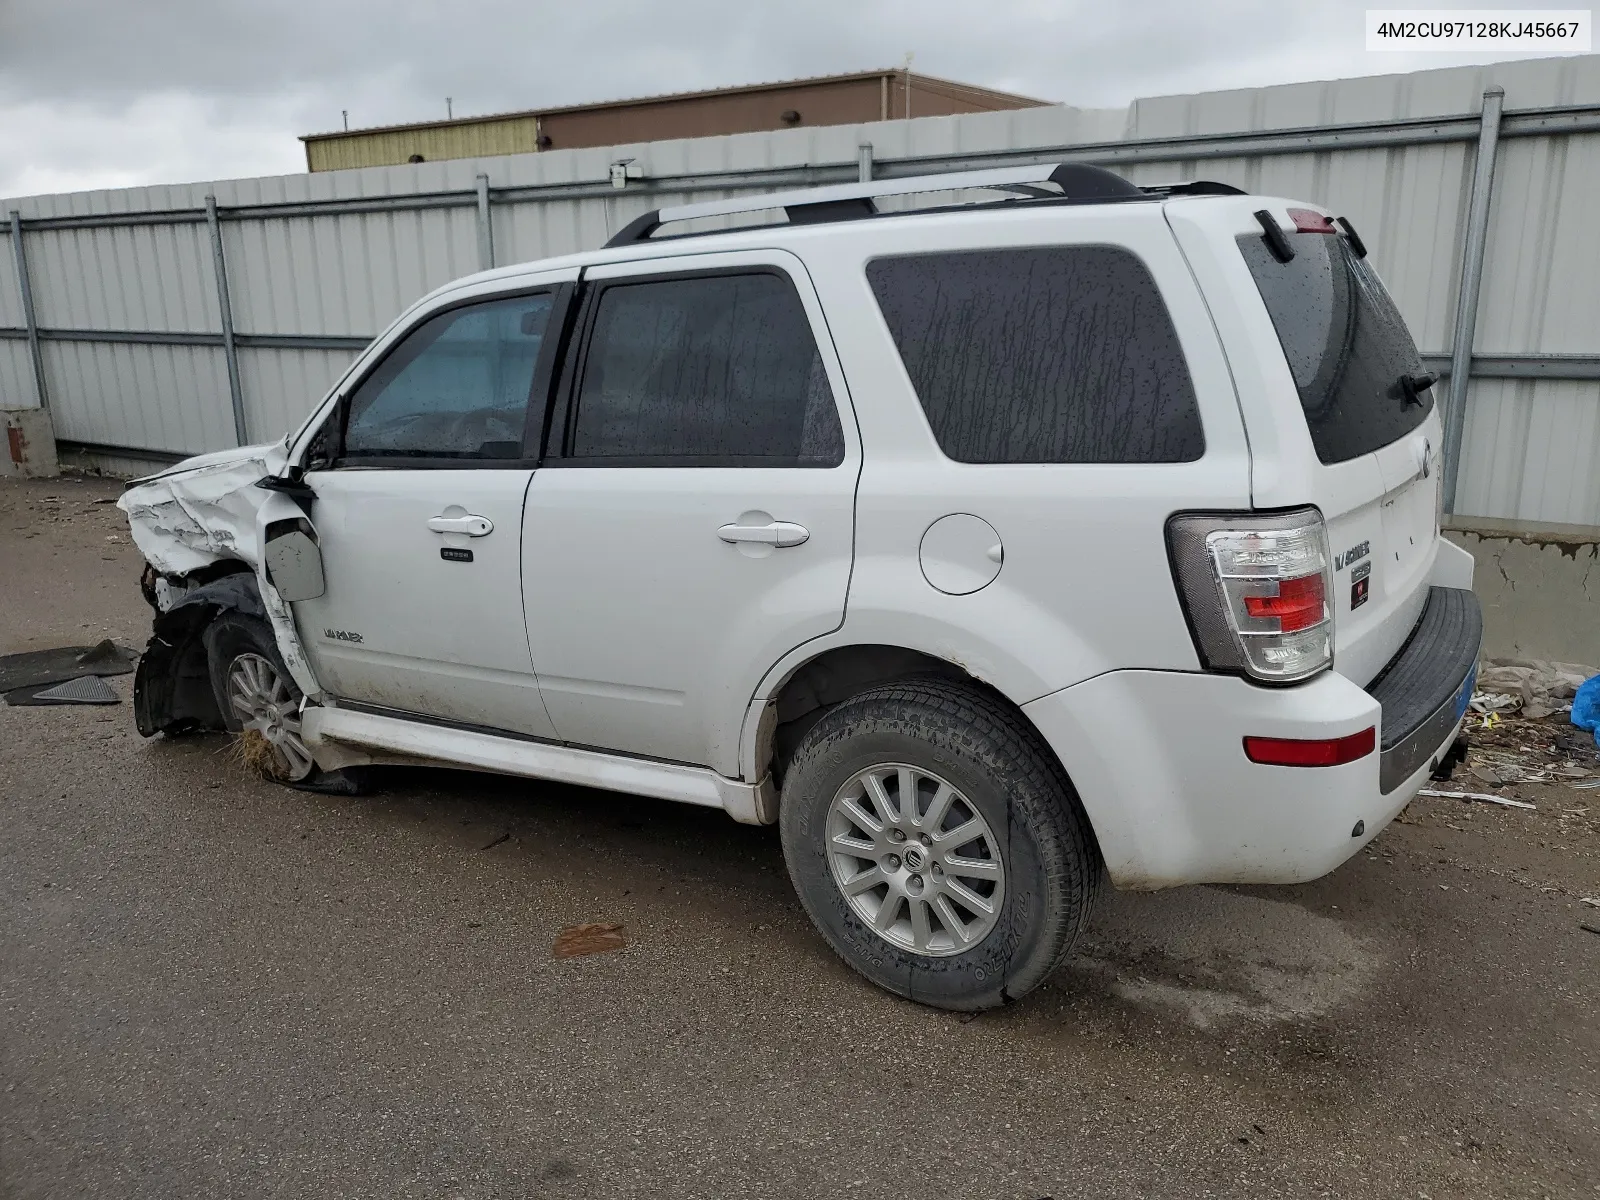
[
  {"x": 457, "y": 387},
  {"x": 1062, "y": 354},
  {"x": 717, "y": 370}
]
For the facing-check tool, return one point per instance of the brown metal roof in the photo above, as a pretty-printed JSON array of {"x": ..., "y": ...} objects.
[{"x": 967, "y": 89}]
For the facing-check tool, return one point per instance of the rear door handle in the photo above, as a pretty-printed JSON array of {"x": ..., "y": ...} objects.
[
  {"x": 774, "y": 533},
  {"x": 472, "y": 525}
]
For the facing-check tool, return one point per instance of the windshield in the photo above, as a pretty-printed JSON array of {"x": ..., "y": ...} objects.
[{"x": 1346, "y": 343}]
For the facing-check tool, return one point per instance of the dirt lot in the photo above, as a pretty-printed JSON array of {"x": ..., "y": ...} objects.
[{"x": 213, "y": 986}]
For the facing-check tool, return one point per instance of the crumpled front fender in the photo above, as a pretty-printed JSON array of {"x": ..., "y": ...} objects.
[
  {"x": 203, "y": 517},
  {"x": 203, "y": 510}
]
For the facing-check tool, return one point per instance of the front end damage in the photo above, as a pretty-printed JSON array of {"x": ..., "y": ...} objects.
[
  {"x": 203, "y": 511},
  {"x": 197, "y": 527},
  {"x": 172, "y": 690}
]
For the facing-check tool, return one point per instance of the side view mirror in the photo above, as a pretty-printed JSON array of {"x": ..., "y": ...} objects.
[{"x": 293, "y": 560}]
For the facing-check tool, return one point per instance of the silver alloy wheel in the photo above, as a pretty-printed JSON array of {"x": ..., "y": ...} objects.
[
  {"x": 916, "y": 860},
  {"x": 261, "y": 700}
]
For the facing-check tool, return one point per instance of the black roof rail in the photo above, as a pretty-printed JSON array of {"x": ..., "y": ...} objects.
[
  {"x": 1195, "y": 187},
  {"x": 1082, "y": 182}
]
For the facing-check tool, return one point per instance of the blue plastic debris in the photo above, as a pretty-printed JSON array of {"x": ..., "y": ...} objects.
[{"x": 1586, "y": 707}]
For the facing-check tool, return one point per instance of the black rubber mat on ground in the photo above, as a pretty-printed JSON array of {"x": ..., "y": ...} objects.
[
  {"x": 67, "y": 662},
  {"x": 86, "y": 689}
]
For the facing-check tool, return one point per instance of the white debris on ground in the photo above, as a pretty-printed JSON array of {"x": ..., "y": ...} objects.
[
  {"x": 1512, "y": 739},
  {"x": 1534, "y": 687},
  {"x": 1507, "y": 801}
]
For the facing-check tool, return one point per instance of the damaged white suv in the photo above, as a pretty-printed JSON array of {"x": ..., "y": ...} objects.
[{"x": 988, "y": 549}]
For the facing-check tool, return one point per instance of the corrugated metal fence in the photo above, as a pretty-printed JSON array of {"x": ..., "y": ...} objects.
[{"x": 173, "y": 320}]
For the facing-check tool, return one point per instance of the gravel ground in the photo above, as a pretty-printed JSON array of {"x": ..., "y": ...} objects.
[{"x": 211, "y": 986}]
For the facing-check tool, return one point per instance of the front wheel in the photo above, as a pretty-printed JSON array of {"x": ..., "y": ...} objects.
[
  {"x": 937, "y": 844},
  {"x": 256, "y": 694}
]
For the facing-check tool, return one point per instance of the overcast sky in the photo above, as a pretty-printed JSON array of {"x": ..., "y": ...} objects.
[{"x": 111, "y": 93}]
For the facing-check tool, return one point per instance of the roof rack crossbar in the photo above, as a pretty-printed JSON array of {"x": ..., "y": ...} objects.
[{"x": 1072, "y": 179}]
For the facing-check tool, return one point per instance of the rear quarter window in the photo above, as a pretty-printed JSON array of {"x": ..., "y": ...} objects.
[{"x": 1061, "y": 354}]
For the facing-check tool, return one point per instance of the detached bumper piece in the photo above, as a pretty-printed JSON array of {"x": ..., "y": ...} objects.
[{"x": 1425, "y": 688}]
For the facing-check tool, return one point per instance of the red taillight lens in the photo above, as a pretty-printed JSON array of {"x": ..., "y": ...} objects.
[
  {"x": 1256, "y": 588},
  {"x": 1308, "y": 220},
  {"x": 1298, "y": 604},
  {"x": 1322, "y": 752}
]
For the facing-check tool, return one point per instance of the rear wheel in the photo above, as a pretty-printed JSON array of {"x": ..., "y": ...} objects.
[
  {"x": 256, "y": 694},
  {"x": 937, "y": 844},
  {"x": 915, "y": 859}
]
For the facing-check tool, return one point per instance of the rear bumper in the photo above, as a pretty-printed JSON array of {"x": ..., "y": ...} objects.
[
  {"x": 1158, "y": 760},
  {"x": 1425, "y": 689}
]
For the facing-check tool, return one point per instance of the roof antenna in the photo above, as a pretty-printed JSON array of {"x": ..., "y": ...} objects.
[
  {"x": 910, "y": 54},
  {"x": 449, "y": 112},
  {"x": 345, "y": 113}
]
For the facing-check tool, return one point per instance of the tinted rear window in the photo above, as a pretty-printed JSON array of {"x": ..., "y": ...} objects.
[
  {"x": 1062, "y": 354},
  {"x": 1346, "y": 343}
]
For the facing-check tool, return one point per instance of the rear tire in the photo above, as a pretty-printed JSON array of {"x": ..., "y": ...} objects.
[{"x": 882, "y": 879}]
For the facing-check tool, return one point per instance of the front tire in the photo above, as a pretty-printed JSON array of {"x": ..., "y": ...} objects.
[
  {"x": 937, "y": 845},
  {"x": 255, "y": 691}
]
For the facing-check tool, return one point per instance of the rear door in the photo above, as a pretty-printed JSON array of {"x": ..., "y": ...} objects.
[
  {"x": 693, "y": 520},
  {"x": 1344, "y": 417}
]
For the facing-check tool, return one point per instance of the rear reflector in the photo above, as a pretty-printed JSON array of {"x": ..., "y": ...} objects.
[{"x": 1294, "y": 752}]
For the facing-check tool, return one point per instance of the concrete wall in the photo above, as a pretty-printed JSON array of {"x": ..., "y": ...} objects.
[
  {"x": 27, "y": 443},
  {"x": 1540, "y": 590}
]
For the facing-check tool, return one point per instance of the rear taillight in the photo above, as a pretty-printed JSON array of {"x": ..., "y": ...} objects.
[{"x": 1256, "y": 590}]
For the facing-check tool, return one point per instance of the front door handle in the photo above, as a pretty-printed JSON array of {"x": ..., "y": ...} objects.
[
  {"x": 773, "y": 533},
  {"x": 472, "y": 525}
]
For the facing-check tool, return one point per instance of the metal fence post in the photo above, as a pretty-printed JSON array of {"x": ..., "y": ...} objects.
[
  {"x": 225, "y": 306},
  {"x": 28, "y": 316},
  {"x": 864, "y": 162},
  {"x": 1477, "y": 238},
  {"x": 485, "y": 228}
]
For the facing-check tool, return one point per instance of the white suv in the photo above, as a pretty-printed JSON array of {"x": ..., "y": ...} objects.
[{"x": 987, "y": 548}]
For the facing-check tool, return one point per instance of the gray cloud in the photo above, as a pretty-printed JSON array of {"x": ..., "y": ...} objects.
[{"x": 106, "y": 93}]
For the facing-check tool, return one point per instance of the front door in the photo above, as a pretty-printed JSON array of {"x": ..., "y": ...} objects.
[
  {"x": 418, "y": 512},
  {"x": 693, "y": 518}
]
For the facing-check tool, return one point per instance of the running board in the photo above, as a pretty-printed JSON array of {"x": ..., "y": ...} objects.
[{"x": 328, "y": 731}]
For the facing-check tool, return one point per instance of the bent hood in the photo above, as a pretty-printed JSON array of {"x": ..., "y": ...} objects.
[{"x": 202, "y": 510}]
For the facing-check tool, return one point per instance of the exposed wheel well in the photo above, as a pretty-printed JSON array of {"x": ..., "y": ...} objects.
[
  {"x": 832, "y": 678},
  {"x": 172, "y": 691},
  {"x": 838, "y": 674},
  {"x": 197, "y": 578}
]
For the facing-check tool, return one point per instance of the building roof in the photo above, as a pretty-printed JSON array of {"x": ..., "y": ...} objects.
[{"x": 924, "y": 80}]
